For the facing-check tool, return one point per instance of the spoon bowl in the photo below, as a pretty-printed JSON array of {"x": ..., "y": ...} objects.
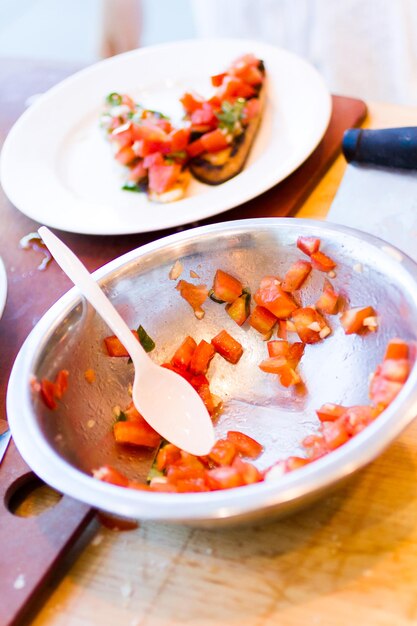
[{"x": 165, "y": 400}]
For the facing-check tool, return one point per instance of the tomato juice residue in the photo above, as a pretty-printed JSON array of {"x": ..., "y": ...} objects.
[{"x": 33, "y": 241}]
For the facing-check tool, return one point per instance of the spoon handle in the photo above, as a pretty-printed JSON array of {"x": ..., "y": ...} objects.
[{"x": 82, "y": 279}]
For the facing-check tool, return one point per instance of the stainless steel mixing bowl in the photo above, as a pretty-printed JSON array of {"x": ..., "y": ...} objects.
[{"x": 64, "y": 445}]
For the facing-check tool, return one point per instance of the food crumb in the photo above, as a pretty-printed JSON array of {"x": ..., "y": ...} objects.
[
  {"x": 176, "y": 270},
  {"x": 20, "y": 582},
  {"x": 331, "y": 274},
  {"x": 90, "y": 376},
  {"x": 96, "y": 541},
  {"x": 358, "y": 267},
  {"x": 194, "y": 274},
  {"x": 91, "y": 423}
]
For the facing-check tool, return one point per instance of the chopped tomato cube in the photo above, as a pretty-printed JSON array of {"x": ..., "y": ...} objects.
[
  {"x": 156, "y": 158},
  {"x": 137, "y": 172},
  {"x": 109, "y": 474},
  {"x": 126, "y": 155},
  {"x": 224, "y": 477},
  {"x": 244, "y": 444},
  {"x": 309, "y": 324},
  {"x": 180, "y": 138},
  {"x": 195, "y": 295},
  {"x": 167, "y": 455},
  {"x": 288, "y": 376},
  {"x": 278, "y": 348},
  {"x": 183, "y": 354},
  {"x": 251, "y": 109},
  {"x": 282, "y": 329},
  {"x": 248, "y": 472},
  {"x": 353, "y": 319},
  {"x": 226, "y": 287},
  {"x": 114, "y": 346},
  {"x": 234, "y": 87},
  {"x": 223, "y": 452},
  {"x": 397, "y": 349},
  {"x": 48, "y": 393},
  {"x": 191, "y": 102},
  {"x": 335, "y": 433},
  {"x": 201, "y": 357},
  {"x": 214, "y": 141},
  {"x": 191, "y": 485},
  {"x": 239, "y": 309},
  {"x": 137, "y": 433},
  {"x": 204, "y": 116},
  {"x": 315, "y": 446},
  {"x": 308, "y": 245},
  {"x": 262, "y": 320},
  {"x": 61, "y": 383},
  {"x": 327, "y": 303},
  {"x": 227, "y": 346},
  {"x": 296, "y": 275},
  {"x": 271, "y": 296},
  {"x": 163, "y": 177},
  {"x": 382, "y": 391},
  {"x": 330, "y": 412},
  {"x": 322, "y": 262},
  {"x": 195, "y": 148},
  {"x": 273, "y": 365},
  {"x": 217, "y": 80},
  {"x": 207, "y": 397},
  {"x": 356, "y": 418},
  {"x": 396, "y": 370}
]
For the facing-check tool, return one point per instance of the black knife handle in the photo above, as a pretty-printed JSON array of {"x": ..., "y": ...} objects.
[{"x": 389, "y": 147}]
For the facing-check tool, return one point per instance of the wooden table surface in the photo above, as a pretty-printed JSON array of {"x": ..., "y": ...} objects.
[{"x": 352, "y": 557}]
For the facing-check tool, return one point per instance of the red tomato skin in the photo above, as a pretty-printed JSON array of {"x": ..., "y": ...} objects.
[
  {"x": 227, "y": 346},
  {"x": 296, "y": 276},
  {"x": 262, "y": 320},
  {"x": 137, "y": 433},
  {"x": 330, "y": 412},
  {"x": 114, "y": 347},
  {"x": 226, "y": 287},
  {"x": 48, "y": 393},
  {"x": 302, "y": 319},
  {"x": 195, "y": 295},
  {"x": 201, "y": 357},
  {"x": 322, "y": 262},
  {"x": 328, "y": 301},
  {"x": 224, "y": 477},
  {"x": 308, "y": 245},
  {"x": 382, "y": 391},
  {"x": 271, "y": 296},
  {"x": 245, "y": 445},
  {"x": 183, "y": 354},
  {"x": 335, "y": 433},
  {"x": 163, "y": 177},
  {"x": 223, "y": 452},
  {"x": 352, "y": 319},
  {"x": 396, "y": 370},
  {"x": 397, "y": 349},
  {"x": 247, "y": 471},
  {"x": 191, "y": 102},
  {"x": 109, "y": 474}
]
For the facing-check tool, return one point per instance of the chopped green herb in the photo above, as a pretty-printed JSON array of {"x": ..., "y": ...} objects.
[
  {"x": 114, "y": 99},
  {"x": 180, "y": 154},
  {"x": 131, "y": 186},
  {"x": 154, "y": 472},
  {"x": 147, "y": 343},
  {"x": 231, "y": 114},
  {"x": 158, "y": 114}
]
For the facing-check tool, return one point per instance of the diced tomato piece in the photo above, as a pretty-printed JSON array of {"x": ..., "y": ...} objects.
[
  {"x": 149, "y": 131},
  {"x": 251, "y": 110},
  {"x": 223, "y": 452},
  {"x": 126, "y": 155},
  {"x": 271, "y": 296},
  {"x": 382, "y": 391},
  {"x": 227, "y": 346},
  {"x": 183, "y": 472},
  {"x": 163, "y": 177},
  {"x": 295, "y": 462},
  {"x": 262, "y": 320},
  {"x": 204, "y": 116},
  {"x": 327, "y": 303},
  {"x": 296, "y": 275},
  {"x": 179, "y": 370},
  {"x": 322, "y": 262},
  {"x": 234, "y": 87},
  {"x": 226, "y": 287},
  {"x": 183, "y": 354},
  {"x": 248, "y": 472},
  {"x": 207, "y": 397},
  {"x": 295, "y": 352},
  {"x": 249, "y": 74},
  {"x": 335, "y": 433},
  {"x": 239, "y": 309},
  {"x": 167, "y": 455},
  {"x": 308, "y": 245},
  {"x": 309, "y": 324},
  {"x": 201, "y": 357},
  {"x": 397, "y": 349},
  {"x": 198, "y": 380},
  {"x": 352, "y": 319},
  {"x": 224, "y": 477},
  {"x": 180, "y": 138},
  {"x": 61, "y": 383},
  {"x": 214, "y": 141},
  {"x": 282, "y": 329},
  {"x": 191, "y": 102},
  {"x": 278, "y": 348},
  {"x": 109, "y": 474},
  {"x": 217, "y": 80},
  {"x": 162, "y": 487},
  {"x": 137, "y": 433},
  {"x": 195, "y": 295},
  {"x": 244, "y": 444},
  {"x": 114, "y": 346},
  {"x": 195, "y": 148},
  {"x": 156, "y": 158},
  {"x": 137, "y": 172},
  {"x": 396, "y": 370},
  {"x": 288, "y": 376},
  {"x": 191, "y": 485},
  {"x": 330, "y": 412},
  {"x": 273, "y": 365},
  {"x": 356, "y": 418},
  {"x": 132, "y": 414},
  {"x": 315, "y": 446},
  {"x": 48, "y": 393},
  {"x": 122, "y": 135}
]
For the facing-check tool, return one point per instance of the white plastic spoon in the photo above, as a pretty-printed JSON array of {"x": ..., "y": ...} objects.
[{"x": 166, "y": 400}]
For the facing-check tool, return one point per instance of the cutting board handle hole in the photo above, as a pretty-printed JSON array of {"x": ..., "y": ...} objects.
[{"x": 31, "y": 497}]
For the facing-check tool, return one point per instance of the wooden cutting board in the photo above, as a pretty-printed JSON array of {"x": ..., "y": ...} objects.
[{"x": 32, "y": 547}]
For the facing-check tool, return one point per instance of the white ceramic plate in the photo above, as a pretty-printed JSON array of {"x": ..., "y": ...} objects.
[
  {"x": 57, "y": 167},
  {"x": 3, "y": 287}
]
